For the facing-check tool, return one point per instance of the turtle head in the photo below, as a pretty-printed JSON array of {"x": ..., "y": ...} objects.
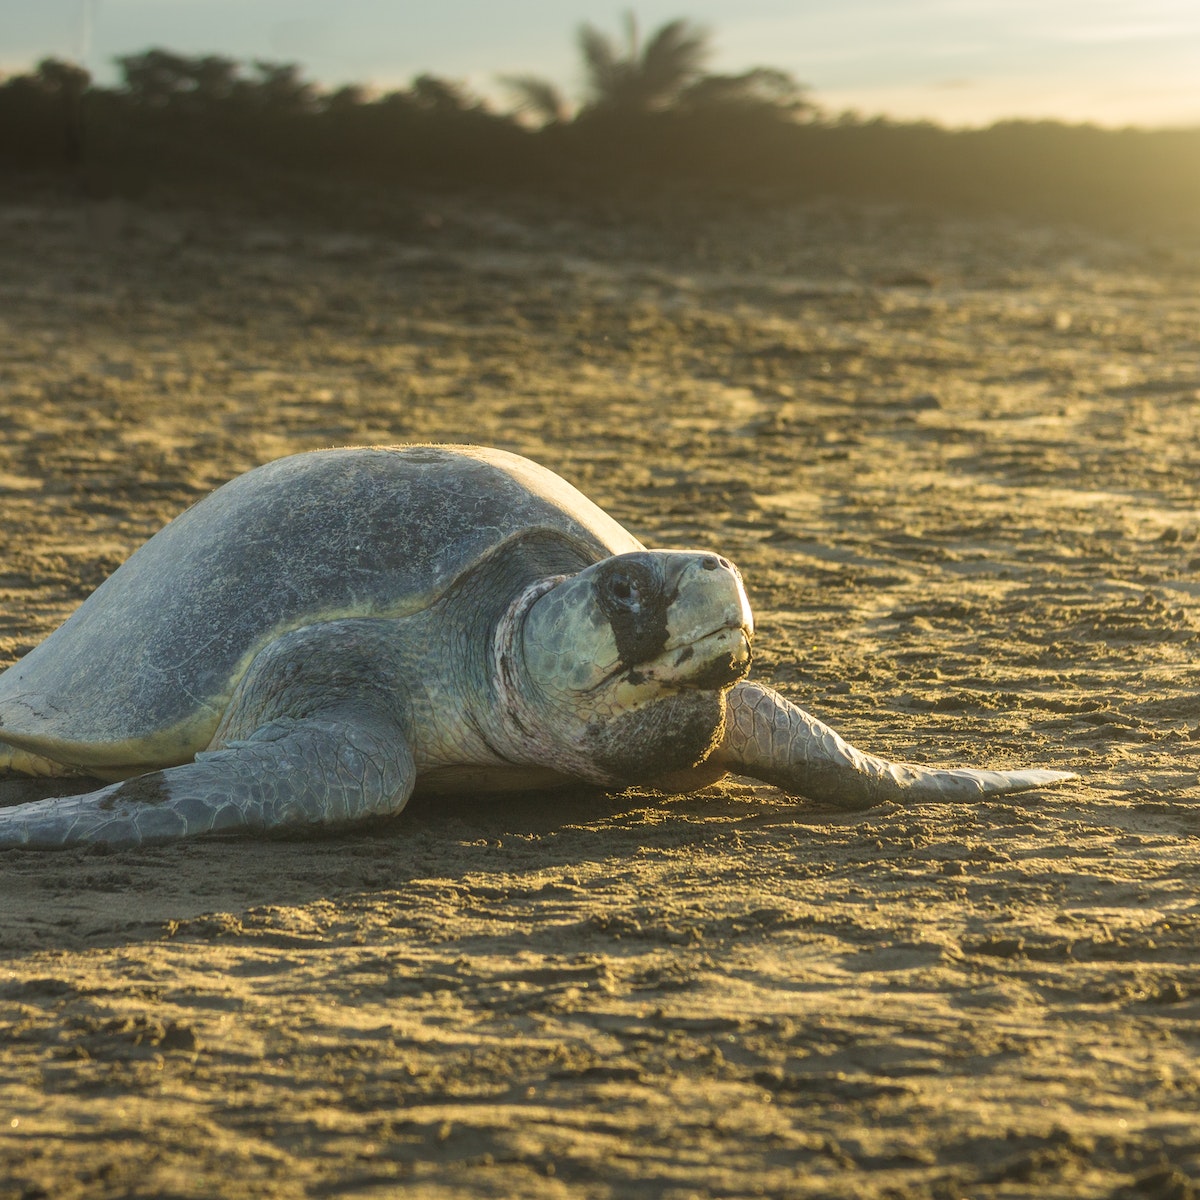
[{"x": 625, "y": 665}]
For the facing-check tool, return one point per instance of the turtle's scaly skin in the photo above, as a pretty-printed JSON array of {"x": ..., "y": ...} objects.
[
  {"x": 322, "y": 635},
  {"x": 771, "y": 739}
]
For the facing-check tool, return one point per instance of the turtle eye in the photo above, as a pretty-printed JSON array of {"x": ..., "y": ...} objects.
[{"x": 624, "y": 590}]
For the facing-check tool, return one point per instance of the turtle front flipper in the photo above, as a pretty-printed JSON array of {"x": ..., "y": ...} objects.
[
  {"x": 287, "y": 774},
  {"x": 312, "y": 736},
  {"x": 769, "y": 738}
]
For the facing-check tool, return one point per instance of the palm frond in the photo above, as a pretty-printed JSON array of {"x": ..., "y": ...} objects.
[
  {"x": 671, "y": 61},
  {"x": 537, "y": 96},
  {"x": 602, "y": 63}
]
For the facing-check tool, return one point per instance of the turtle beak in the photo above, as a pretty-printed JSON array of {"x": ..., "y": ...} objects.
[{"x": 708, "y": 598}]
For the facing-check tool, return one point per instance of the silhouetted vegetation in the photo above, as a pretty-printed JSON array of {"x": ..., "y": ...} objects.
[{"x": 651, "y": 120}]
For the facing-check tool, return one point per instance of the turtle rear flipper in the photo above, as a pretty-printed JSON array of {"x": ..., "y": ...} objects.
[
  {"x": 318, "y": 771},
  {"x": 769, "y": 738}
]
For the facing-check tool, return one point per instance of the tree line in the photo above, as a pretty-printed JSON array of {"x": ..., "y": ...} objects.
[{"x": 650, "y": 117}]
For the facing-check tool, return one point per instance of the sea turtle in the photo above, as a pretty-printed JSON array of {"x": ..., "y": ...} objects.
[{"x": 322, "y": 634}]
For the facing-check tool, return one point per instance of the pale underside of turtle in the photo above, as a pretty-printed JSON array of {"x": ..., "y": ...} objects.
[{"x": 324, "y": 634}]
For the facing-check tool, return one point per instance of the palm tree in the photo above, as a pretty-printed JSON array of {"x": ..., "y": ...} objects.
[
  {"x": 637, "y": 77},
  {"x": 629, "y": 78}
]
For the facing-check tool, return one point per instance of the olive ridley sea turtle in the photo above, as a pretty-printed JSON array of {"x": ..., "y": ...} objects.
[{"x": 323, "y": 634}]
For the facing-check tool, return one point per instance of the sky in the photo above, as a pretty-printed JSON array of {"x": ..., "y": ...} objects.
[{"x": 958, "y": 62}]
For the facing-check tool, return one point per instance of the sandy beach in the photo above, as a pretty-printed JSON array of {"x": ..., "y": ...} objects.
[{"x": 957, "y": 463}]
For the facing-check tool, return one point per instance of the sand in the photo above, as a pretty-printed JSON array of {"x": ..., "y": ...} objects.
[{"x": 957, "y": 462}]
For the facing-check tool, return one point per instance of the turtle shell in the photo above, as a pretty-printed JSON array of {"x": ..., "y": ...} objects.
[{"x": 139, "y": 675}]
